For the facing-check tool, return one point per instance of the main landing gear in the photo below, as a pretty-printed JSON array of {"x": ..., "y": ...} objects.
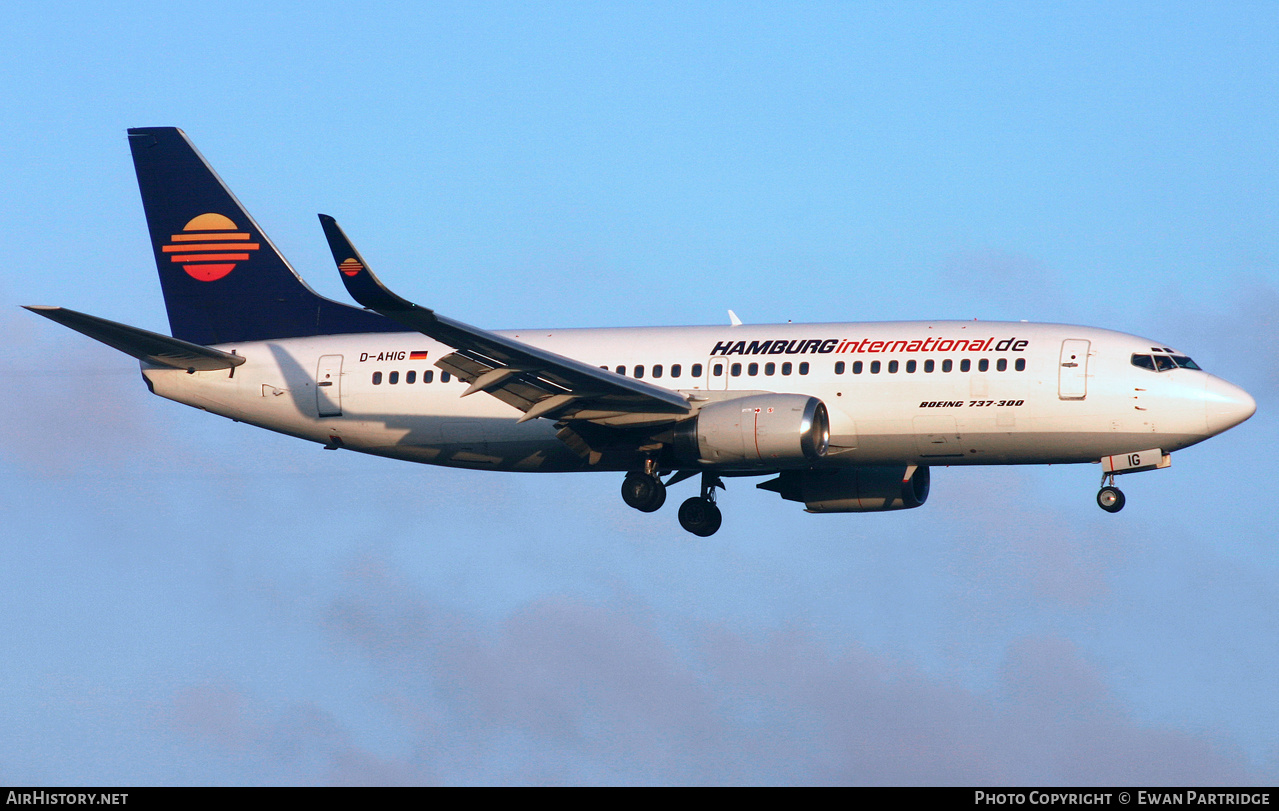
[
  {"x": 644, "y": 492},
  {"x": 1110, "y": 498},
  {"x": 699, "y": 515}
]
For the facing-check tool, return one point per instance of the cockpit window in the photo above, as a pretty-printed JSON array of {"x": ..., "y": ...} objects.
[{"x": 1163, "y": 363}]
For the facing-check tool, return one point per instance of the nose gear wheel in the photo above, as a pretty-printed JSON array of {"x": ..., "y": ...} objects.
[{"x": 1110, "y": 498}]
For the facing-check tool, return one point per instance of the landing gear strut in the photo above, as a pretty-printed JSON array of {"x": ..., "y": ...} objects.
[
  {"x": 1110, "y": 498},
  {"x": 699, "y": 515}
]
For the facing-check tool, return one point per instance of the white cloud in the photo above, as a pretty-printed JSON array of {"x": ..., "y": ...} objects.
[{"x": 600, "y": 696}]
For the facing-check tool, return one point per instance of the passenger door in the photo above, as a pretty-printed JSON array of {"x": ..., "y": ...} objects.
[
  {"x": 328, "y": 386},
  {"x": 1072, "y": 374}
]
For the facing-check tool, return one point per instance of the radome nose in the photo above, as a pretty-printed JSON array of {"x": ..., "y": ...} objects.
[{"x": 1226, "y": 405}]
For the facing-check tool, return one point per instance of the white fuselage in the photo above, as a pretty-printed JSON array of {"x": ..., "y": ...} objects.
[{"x": 939, "y": 392}]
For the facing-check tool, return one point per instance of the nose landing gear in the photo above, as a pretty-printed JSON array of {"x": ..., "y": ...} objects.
[{"x": 1110, "y": 498}]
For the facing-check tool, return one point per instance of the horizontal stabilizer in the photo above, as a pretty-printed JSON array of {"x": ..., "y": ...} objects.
[{"x": 141, "y": 344}]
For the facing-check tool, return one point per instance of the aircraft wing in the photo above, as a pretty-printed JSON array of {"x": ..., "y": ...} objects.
[{"x": 536, "y": 381}]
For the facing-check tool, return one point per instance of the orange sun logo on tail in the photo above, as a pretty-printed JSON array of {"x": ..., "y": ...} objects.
[
  {"x": 351, "y": 266},
  {"x": 209, "y": 247}
]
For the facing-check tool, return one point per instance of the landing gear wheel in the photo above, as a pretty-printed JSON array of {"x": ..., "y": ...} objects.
[
  {"x": 1111, "y": 499},
  {"x": 643, "y": 492},
  {"x": 700, "y": 516}
]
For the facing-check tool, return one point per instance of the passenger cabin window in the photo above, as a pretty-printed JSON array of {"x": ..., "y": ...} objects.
[
  {"x": 377, "y": 378},
  {"x": 910, "y": 367},
  {"x": 752, "y": 369},
  {"x": 965, "y": 365},
  {"x": 874, "y": 367},
  {"x": 929, "y": 366},
  {"x": 947, "y": 365},
  {"x": 892, "y": 367},
  {"x": 657, "y": 370},
  {"x": 621, "y": 370},
  {"x": 639, "y": 371},
  {"x": 444, "y": 377},
  {"x": 697, "y": 370},
  {"x": 735, "y": 370},
  {"x": 857, "y": 367},
  {"x": 718, "y": 370},
  {"x": 803, "y": 368},
  {"x": 786, "y": 367},
  {"x": 676, "y": 370},
  {"x": 428, "y": 376},
  {"x": 1001, "y": 365},
  {"x": 983, "y": 365},
  {"x": 839, "y": 367},
  {"x": 770, "y": 368},
  {"x": 393, "y": 378},
  {"x": 410, "y": 377},
  {"x": 1020, "y": 365}
]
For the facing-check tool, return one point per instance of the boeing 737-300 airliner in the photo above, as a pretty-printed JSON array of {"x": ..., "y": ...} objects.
[{"x": 843, "y": 417}]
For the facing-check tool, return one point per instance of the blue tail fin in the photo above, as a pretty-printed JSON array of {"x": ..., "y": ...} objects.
[{"x": 223, "y": 279}]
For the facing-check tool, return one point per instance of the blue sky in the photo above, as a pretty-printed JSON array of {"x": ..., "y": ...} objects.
[{"x": 190, "y": 600}]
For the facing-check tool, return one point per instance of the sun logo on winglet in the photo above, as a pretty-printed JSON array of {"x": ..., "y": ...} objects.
[
  {"x": 350, "y": 267},
  {"x": 209, "y": 247}
]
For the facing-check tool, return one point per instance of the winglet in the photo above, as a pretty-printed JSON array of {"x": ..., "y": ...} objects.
[
  {"x": 360, "y": 282},
  {"x": 733, "y": 319},
  {"x": 491, "y": 361}
]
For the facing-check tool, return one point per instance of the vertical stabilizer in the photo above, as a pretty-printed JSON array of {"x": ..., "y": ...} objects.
[{"x": 223, "y": 279}]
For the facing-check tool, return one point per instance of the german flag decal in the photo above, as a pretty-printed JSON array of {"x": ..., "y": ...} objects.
[
  {"x": 350, "y": 267},
  {"x": 417, "y": 356},
  {"x": 209, "y": 247}
]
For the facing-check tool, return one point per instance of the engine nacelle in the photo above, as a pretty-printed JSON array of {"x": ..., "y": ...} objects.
[
  {"x": 854, "y": 489},
  {"x": 762, "y": 430}
]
